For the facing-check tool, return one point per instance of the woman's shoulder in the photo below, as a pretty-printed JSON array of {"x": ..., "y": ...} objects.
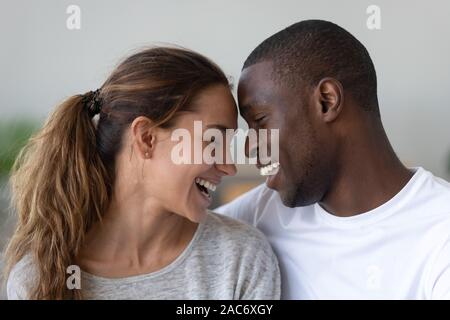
[
  {"x": 222, "y": 223},
  {"x": 21, "y": 278},
  {"x": 230, "y": 233},
  {"x": 246, "y": 253}
]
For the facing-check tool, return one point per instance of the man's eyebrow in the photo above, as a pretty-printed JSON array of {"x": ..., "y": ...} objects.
[
  {"x": 252, "y": 108},
  {"x": 244, "y": 109}
]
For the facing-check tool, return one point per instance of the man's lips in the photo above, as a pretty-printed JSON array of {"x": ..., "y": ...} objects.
[{"x": 269, "y": 169}]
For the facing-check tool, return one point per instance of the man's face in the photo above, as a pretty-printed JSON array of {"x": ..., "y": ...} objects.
[{"x": 305, "y": 153}]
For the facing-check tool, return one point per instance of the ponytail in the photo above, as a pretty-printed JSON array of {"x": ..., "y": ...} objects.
[{"x": 60, "y": 187}]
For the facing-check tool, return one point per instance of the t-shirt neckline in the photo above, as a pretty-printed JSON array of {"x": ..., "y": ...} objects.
[{"x": 380, "y": 212}]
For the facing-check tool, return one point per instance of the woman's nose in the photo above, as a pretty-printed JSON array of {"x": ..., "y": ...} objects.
[{"x": 227, "y": 169}]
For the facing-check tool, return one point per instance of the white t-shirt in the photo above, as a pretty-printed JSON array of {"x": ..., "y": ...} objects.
[{"x": 400, "y": 250}]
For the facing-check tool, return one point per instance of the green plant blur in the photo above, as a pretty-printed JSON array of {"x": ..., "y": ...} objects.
[{"x": 13, "y": 136}]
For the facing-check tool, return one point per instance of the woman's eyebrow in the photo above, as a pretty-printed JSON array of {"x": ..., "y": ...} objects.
[{"x": 218, "y": 126}]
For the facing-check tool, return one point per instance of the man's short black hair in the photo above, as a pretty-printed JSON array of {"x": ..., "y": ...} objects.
[{"x": 311, "y": 50}]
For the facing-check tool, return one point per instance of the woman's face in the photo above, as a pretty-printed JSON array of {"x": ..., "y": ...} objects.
[{"x": 186, "y": 189}]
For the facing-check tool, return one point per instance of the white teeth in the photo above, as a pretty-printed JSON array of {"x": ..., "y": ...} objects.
[
  {"x": 270, "y": 169},
  {"x": 211, "y": 186}
]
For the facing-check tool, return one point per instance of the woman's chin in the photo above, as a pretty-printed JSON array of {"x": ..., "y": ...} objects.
[{"x": 198, "y": 216}]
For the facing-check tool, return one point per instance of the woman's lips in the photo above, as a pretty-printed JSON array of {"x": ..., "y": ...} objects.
[
  {"x": 206, "y": 183},
  {"x": 203, "y": 193},
  {"x": 205, "y": 187}
]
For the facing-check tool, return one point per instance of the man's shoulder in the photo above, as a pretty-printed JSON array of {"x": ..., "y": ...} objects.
[
  {"x": 247, "y": 206},
  {"x": 260, "y": 192},
  {"x": 434, "y": 194}
]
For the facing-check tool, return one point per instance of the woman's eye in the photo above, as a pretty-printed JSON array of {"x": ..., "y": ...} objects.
[{"x": 214, "y": 140}]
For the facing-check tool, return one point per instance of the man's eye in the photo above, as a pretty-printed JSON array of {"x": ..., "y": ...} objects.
[{"x": 258, "y": 120}]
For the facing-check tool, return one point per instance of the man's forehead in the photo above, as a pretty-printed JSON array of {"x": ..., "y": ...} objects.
[
  {"x": 255, "y": 83},
  {"x": 256, "y": 73}
]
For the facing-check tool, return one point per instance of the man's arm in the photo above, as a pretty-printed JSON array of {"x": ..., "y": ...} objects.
[{"x": 440, "y": 274}]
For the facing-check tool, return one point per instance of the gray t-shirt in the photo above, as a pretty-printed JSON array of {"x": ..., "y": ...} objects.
[{"x": 226, "y": 259}]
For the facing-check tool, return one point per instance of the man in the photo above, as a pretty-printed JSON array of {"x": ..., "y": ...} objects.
[{"x": 345, "y": 217}]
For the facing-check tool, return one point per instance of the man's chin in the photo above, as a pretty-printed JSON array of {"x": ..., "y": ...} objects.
[
  {"x": 290, "y": 198},
  {"x": 284, "y": 195},
  {"x": 287, "y": 199},
  {"x": 294, "y": 200}
]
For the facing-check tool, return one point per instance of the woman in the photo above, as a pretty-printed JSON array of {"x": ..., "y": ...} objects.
[{"x": 107, "y": 197}]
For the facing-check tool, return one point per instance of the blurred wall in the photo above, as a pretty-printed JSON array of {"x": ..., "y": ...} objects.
[{"x": 42, "y": 62}]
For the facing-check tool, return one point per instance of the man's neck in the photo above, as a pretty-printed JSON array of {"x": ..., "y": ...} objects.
[{"x": 369, "y": 175}]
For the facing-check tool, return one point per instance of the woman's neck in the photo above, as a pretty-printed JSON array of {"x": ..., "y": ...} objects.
[{"x": 135, "y": 236}]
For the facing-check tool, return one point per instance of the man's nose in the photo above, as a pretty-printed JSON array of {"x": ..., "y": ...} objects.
[{"x": 251, "y": 148}]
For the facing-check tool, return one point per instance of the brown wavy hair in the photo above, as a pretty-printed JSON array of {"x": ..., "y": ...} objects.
[{"x": 62, "y": 180}]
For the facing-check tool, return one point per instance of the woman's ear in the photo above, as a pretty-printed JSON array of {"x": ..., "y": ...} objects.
[
  {"x": 329, "y": 95},
  {"x": 143, "y": 134}
]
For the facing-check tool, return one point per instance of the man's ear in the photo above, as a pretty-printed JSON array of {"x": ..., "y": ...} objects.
[
  {"x": 329, "y": 98},
  {"x": 143, "y": 135}
]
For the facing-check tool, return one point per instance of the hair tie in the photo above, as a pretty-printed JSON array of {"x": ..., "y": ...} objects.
[{"x": 92, "y": 102}]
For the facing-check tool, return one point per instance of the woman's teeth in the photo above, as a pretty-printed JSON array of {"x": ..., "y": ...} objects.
[
  {"x": 270, "y": 169},
  {"x": 211, "y": 186}
]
